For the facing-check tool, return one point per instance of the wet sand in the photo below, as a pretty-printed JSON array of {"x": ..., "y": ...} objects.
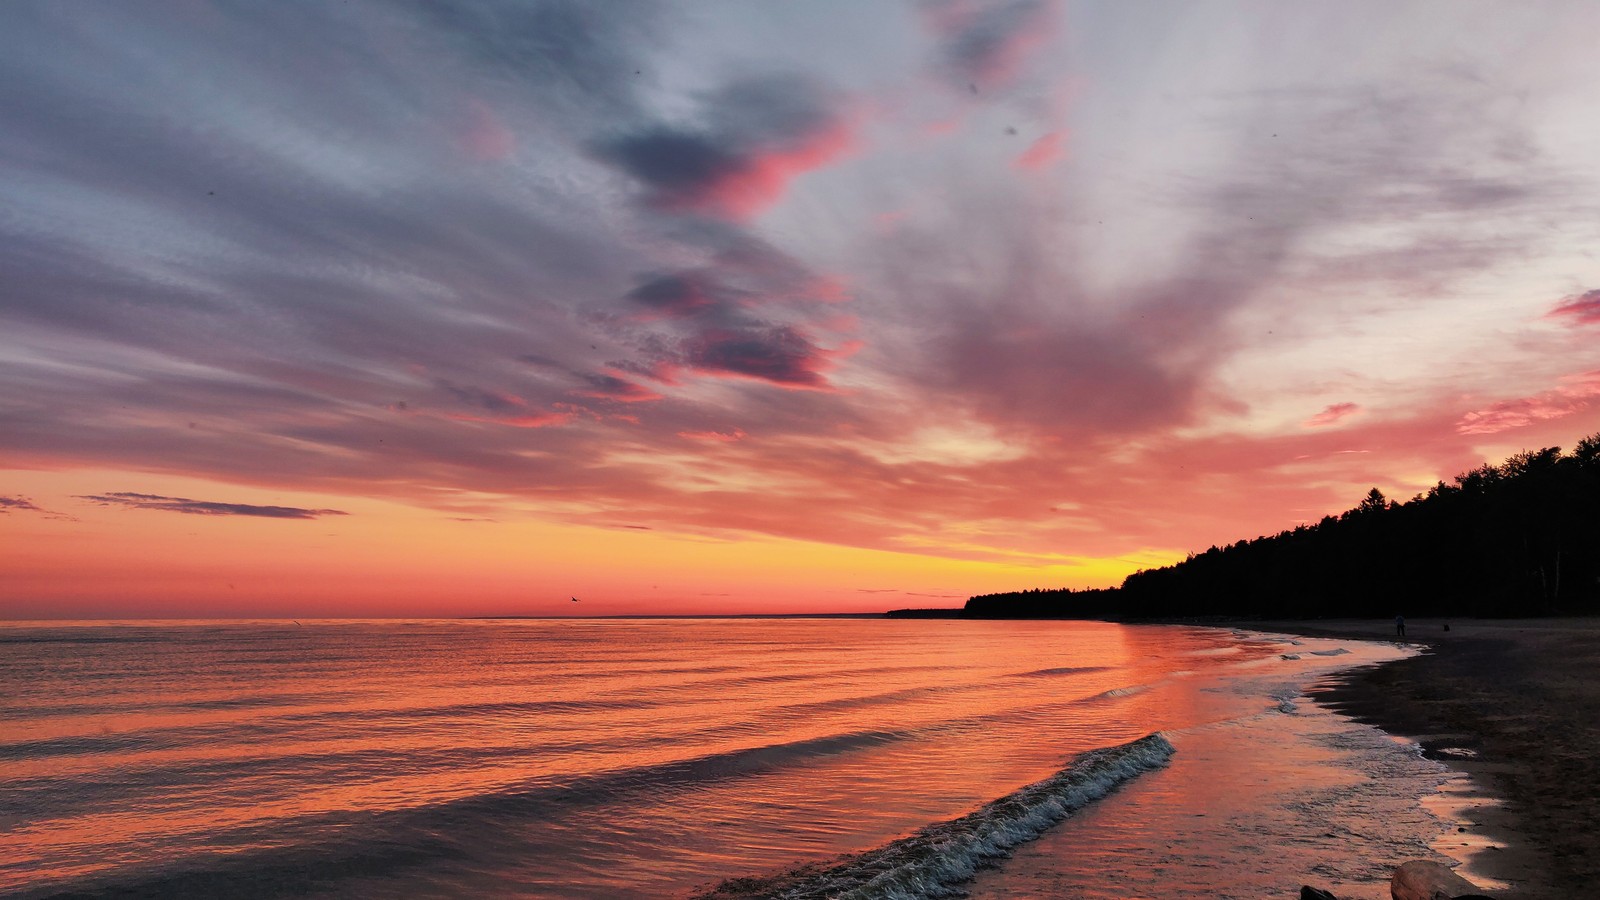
[
  {"x": 1267, "y": 791},
  {"x": 1516, "y": 706}
]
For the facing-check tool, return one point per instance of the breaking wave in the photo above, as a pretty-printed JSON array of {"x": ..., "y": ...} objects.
[{"x": 936, "y": 860}]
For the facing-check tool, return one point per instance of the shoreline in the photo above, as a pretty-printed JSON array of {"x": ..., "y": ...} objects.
[{"x": 1514, "y": 706}]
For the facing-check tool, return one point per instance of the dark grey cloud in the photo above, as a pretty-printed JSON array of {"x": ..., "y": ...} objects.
[
  {"x": 983, "y": 44},
  {"x": 782, "y": 355},
  {"x": 206, "y": 507},
  {"x": 678, "y": 165},
  {"x": 7, "y": 504},
  {"x": 611, "y": 387},
  {"x": 680, "y": 295},
  {"x": 752, "y": 136}
]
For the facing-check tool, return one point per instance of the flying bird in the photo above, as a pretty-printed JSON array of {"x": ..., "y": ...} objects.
[{"x": 574, "y": 599}]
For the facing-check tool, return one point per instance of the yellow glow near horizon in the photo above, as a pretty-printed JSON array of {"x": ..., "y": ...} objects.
[{"x": 389, "y": 558}]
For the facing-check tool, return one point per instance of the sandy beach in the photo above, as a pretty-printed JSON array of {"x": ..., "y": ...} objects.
[{"x": 1516, "y": 706}]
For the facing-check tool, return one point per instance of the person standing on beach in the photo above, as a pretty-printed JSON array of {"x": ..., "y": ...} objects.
[{"x": 1400, "y": 626}]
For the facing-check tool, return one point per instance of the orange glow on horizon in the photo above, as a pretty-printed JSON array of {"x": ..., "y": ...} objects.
[{"x": 390, "y": 559}]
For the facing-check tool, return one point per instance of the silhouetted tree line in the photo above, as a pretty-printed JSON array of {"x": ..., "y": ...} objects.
[{"x": 1518, "y": 539}]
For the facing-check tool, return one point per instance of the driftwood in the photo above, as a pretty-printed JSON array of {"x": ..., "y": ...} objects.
[{"x": 1423, "y": 880}]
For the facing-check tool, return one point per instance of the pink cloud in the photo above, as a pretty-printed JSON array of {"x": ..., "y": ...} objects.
[
  {"x": 1042, "y": 153},
  {"x": 531, "y": 420},
  {"x": 1573, "y": 395},
  {"x": 762, "y": 178},
  {"x": 1333, "y": 414},
  {"x": 485, "y": 137},
  {"x": 713, "y": 436},
  {"x": 841, "y": 324},
  {"x": 1581, "y": 309}
]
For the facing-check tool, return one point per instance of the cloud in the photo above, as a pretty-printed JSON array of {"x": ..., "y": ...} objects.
[
  {"x": 756, "y": 135},
  {"x": 205, "y": 507},
  {"x": 7, "y": 504},
  {"x": 429, "y": 251},
  {"x": 611, "y": 387},
  {"x": 680, "y": 295},
  {"x": 722, "y": 437},
  {"x": 986, "y": 43},
  {"x": 23, "y": 504},
  {"x": 484, "y": 136},
  {"x": 500, "y": 408},
  {"x": 1334, "y": 414},
  {"x": 1044, "y": 152},
  {"x": 1575, "y": 394},
  {"x": 1581, "y": 309},
  {"x": 781, "y": 355}
]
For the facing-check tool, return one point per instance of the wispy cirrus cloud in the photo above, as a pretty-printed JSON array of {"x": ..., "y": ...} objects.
[
  {"x": 1334, "y": 414},
  {"x": 1575, "y": 394},
  {"x": 133, "y": 500}
]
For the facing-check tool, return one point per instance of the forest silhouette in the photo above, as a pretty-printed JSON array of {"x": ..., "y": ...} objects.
[{"x": 1517, "y": 539}]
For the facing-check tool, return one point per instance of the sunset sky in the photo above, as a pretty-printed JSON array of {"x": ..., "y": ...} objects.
[{"x": 424, "y": 308}]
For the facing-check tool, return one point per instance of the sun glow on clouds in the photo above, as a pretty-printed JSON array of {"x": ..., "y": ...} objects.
[
  {"x": 1334, "y": 414},
  {"x": 954, "y": 445},
  {"x": 1583, "y": 309},
  {"x": 1575, "y": 394},
  {"x": 788, "y": 303}
]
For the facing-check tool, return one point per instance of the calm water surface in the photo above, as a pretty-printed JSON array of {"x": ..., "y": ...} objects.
[{"x": 572, "y": 758}]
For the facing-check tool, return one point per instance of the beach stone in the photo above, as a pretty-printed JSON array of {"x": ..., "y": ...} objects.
[
  {"x": 1307, "y": 892},
  {"x": 1422, "y": 879}
]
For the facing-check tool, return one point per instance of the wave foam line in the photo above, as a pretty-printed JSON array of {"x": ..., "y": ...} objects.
[{"x": 936, "y": 860}]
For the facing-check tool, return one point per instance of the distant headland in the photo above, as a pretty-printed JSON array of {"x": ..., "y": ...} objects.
[{"x": 1517, "y": 539}]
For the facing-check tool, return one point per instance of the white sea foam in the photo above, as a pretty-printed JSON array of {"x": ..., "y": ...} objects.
[{"x": 936, "y": 860}]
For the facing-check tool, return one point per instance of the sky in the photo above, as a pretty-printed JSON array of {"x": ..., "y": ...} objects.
[{"x": 425, "y": 308}]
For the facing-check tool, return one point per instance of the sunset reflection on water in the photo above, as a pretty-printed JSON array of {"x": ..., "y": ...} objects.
[{"x": 570, "y": 758}]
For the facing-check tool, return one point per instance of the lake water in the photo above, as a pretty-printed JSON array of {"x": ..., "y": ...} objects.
[{"x": 657, "y": 758}]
